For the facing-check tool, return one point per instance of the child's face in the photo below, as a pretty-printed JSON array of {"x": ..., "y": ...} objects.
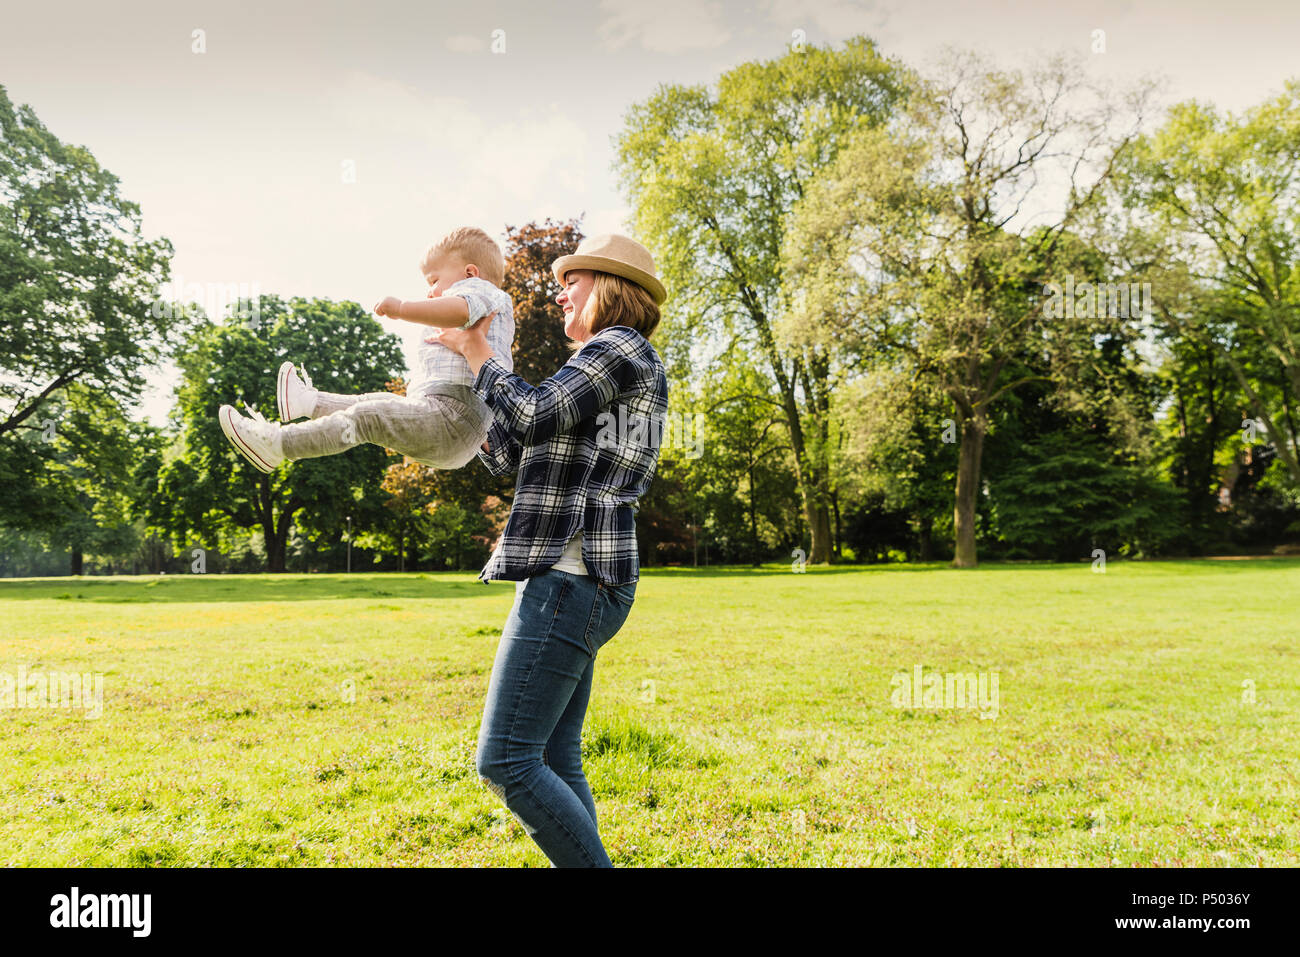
[
  {"x": 444, "y": 270},
  {"x": 573, "y": 296}
]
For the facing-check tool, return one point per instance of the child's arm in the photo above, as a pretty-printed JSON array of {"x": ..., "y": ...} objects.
[{"x": 447, "y": 312}]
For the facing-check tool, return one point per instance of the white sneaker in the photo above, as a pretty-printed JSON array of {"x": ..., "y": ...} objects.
[
  {"x": 255, "y": 438},
  {"x": 297, "y": 399}
]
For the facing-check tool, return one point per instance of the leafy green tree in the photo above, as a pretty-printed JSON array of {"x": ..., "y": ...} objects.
[
  {"x": 83, "y": 502},
  {"x": 425, "y": 522},
  {"x": 208, "y": 491},
  {"x": 1213, "y": 203},
  {"x": 712, "y": 175},
  {"x": 911, "y": 248},
  {"x": 745, "y": 458},
  {"x": 76, "y": 282},
  {"x": 898, "y": 456},
  {"x": 457, "y": 536},
  {"x": 411, "y": 497},
  {"x": 94, "y": 455},
  {"x": 874, "y": 530},
  {"x": 26, "y": 554},
  {"x": 1064, "y": 494},
  {"x": 1203, "y": 420},
  {"x": 662, "y": 518}
]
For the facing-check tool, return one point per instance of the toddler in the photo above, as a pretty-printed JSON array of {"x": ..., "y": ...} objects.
[{"x": 440, "y": 421}]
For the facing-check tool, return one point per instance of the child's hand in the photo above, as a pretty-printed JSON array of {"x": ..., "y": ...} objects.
[{"x": 388, "y": 306}]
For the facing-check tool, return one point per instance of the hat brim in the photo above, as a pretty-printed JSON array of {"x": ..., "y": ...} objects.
[{"x": 614, "y": 266}]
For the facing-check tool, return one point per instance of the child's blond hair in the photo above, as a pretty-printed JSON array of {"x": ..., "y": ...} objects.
[{"x": 475, "y": 247}]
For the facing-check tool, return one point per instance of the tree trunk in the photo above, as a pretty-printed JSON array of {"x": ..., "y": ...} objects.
[
  {"x": 76, "y": 562},
  {"x": 818, "y": 517},
  {"x": 926, "y": 533},
  {"x": 815, "y": 512},
  {"x": 277, "y": 538},
  {"x": 968, "y": 484},
  {"x": 835, "y": 506},
  {"x": 808, "y": 476},
  {"x": 275, "y": 552},
  {"x": 277, "y": 541}
]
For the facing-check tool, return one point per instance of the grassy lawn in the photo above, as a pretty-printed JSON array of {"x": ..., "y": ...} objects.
[{"x": 741, "y": 717}]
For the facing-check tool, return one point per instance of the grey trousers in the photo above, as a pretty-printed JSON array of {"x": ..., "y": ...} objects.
[{"x": 444, "y": 427}]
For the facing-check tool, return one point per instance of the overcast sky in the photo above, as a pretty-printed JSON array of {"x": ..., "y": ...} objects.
[{"x": 240, "y": 155}]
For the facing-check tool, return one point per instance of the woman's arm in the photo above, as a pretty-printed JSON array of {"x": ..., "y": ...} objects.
[
  {"x": 587, "y": 383},
  {"x": 590, "y": 381}
]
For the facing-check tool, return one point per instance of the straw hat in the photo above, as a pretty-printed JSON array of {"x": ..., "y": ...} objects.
[{"x": 614, "y": 254}]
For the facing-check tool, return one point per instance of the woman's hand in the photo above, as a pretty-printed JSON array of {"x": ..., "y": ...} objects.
[
  {"x": 457, "y": 340},
  {"x": 471, "y": 343}
]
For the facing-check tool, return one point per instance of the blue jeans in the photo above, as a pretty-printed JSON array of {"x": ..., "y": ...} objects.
[{"x": 530, "y": 741}]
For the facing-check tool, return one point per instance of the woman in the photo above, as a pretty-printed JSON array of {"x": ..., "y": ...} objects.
[{"x": 570, "y": 539}]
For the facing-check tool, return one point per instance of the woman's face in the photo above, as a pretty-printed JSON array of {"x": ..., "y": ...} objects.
[{"x": 572, "y": 297}]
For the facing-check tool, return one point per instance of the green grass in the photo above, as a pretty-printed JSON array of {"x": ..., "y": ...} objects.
[{"x": 740, "y": 717}]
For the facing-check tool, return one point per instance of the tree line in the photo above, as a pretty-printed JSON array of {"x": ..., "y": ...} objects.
[{"x": 970, "y": 314}]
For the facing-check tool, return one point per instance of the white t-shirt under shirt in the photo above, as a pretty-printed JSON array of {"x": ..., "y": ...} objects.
[{"x": 571, "y": 559}]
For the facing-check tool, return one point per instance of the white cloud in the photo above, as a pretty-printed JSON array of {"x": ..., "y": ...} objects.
[{"x": 666, "y": 26}]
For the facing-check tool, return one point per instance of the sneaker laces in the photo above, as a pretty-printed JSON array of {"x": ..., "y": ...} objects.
[
  {"x": 255, "y": 415},
  {"x": 306, "y": 379}
]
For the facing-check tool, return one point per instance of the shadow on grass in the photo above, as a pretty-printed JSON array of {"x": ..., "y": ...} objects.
[
  {"x": 144, "y": 589},
  {"x": 147, "y": 589}
]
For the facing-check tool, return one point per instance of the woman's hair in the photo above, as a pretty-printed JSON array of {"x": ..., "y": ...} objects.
[{"x": 615, "y": 301}]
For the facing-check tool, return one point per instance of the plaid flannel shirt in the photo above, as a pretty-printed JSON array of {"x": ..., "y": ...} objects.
[{"x": 582, "y": 459}]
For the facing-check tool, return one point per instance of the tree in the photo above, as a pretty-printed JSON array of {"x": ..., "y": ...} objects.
[
  {"x": 874, "y": 529},
  {"x": 712, "y": 177},
  {"x": 90, "y": 475},
  {"x": 440, "y": 516},
  {"x": 76, "y": 281},
  {"x": 663, "y": 515},
  {"x": 1064, "y": 494},
  {"x": 893, "y": 458},
  {"x": 745, "y": 459},
  {"x": 408, "y": 500},
  {"x": 539, "y": 347},
  {"x": 916, "y": 248},
  {"x": 1063, "y": 483},
  {"x": 1205, "y": 410},
  {"x": 1215, "y": 202},
  {"x": 208, "y": 489}
]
